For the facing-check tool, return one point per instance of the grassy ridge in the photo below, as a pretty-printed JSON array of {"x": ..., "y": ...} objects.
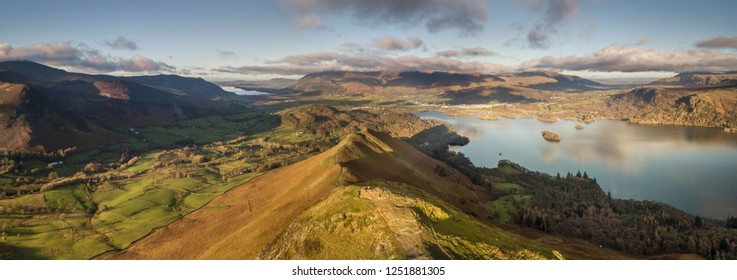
[{"x": 389, "y": 220}]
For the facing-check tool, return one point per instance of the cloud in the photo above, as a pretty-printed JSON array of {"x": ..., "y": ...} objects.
[
  {"x": 642, "y": 42},
  {"x": 559, "y": 11},
  {"x": 334, "y": 61},
  {"x": 588, "y": 32},
  {"x": 466, "y": 52},
  {"x": 389, "y": 43},
  {"x": 121, "y": 43},
  {"x": 718, "y": 43},
  {"x": 538, "y": 38},
  {"x": 465, "y": 16},
  {"x": 139, "y": 63},
  {"x": 228, "y": 55},
  {"x": 80, "y": 57},
  {"x": 352, "y": 46},
  {"x": 631, "y": 59},
  {"x": 310, "y": 21},
  {"x": 553, "y": 14}
]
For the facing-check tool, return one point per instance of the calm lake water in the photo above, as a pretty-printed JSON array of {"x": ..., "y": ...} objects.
[
  {"x": 691, "y": 168},
  {"x": 244, "y": 92}
]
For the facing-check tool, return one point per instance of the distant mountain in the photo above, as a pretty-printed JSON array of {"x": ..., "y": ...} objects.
[
  {"x": 264, "y": 85},
  {"x": 415, "y": 82},
  {"x": 41, "y": 103},
  {"x": 36, "y": 74},
  {"x": 386, "y": 83},
  {"x": 371, "y": 196},
  {"x": 546, "y": 80},
  {"x": 699, "y": 79}
]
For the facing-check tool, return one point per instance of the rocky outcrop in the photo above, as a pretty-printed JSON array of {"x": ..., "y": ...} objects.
[{"x": 551, "y": 136}]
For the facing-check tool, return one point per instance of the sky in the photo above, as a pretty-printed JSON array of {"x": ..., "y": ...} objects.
[{"x": 252, "y": 40}]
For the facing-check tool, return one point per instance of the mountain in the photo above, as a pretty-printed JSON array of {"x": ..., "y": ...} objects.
[
  {"x": 30, "y": 121},
  {"x": 699, "y": 79},
  {"x": 371, "y": 195},
  {"x": 41, "y": 103},
  {"x": 40, "y": 75},
  {"x": 715, "y": 107},
  {"x": 546, "y": 80},
  {"x": 432, "y": 83},
  {"x": 386, "y": 83}
]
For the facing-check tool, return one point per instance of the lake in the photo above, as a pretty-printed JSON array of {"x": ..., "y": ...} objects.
[
  {"x": 239, "y": 91},
  {"x": 691, "y": 168}
]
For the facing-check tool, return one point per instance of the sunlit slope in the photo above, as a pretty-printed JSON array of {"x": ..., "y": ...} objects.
[
  {"x": 251, "y": 220},
  {"x": 389, "y": 220}
]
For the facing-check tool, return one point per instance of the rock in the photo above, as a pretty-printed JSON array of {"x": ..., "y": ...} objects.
[
  {"x": 551, "y": 136},
  {"x": 578, "y": 126}
]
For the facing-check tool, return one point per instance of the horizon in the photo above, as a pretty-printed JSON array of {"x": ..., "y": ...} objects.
[{"x": 231, "y": 40}]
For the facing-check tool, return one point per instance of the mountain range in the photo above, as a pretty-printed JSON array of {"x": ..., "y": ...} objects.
[{"x": 45, "y": 108}]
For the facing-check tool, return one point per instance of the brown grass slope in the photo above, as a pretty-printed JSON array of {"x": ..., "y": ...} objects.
[{"x": 244, "y": 221}]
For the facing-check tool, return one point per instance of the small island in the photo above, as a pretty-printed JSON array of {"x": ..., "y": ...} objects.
[
  {"x": 578, "y": 126},
  {"x": 488, "y": 117},
  {"x": 551, "y": 136}
]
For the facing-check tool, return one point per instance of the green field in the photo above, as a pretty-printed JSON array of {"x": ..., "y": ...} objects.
[{"x": 110, "y": 208}]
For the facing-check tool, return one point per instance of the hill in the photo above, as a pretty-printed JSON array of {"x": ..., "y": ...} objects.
[
  {"x": 91, "y": 109},
  {"x": 546, "y": 80},
  {"x": 367, "y": 187},
  {"x": 699, "y": 79},
  {"x": 712, "y": 107},
  {"x": 29, "y": 121}
]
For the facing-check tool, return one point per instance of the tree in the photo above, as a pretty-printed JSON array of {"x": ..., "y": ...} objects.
[
  {"x": 578, "y": 174},
  {"x": 698, "y": 222},
  {"x": 732, "y": 222}
]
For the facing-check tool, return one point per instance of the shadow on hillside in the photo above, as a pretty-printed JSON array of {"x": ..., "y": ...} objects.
[
  {"x": 484, "y": 95},
  {"x": 14, "y": 252}
]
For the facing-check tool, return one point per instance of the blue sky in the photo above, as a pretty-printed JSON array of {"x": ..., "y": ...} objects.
[{"x": 264, "y": 39}]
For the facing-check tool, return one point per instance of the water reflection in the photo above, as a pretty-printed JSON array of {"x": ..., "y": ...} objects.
[
  {"x": 692, "y": 168},
  {"x": 239, "y": 91}
]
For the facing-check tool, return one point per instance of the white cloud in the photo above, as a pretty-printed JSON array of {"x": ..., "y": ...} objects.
[
  {"x": 79, "y": 57},
  {"x": 631, "y": 59}
]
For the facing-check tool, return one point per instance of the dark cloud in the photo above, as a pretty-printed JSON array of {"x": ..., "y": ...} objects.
[
  {"x": 122, "y": 43},
  {"x": 224, "y": 54},
  {"x": 718, "y": 43},
  {"x": 538, "y": 38},
  {"x": 466, "y": 52},
  {"x": 631, "y": 59},
  {"x": 80, "y": 57},
  {"x": 389, "y": 43},
  {"x": 466, "y": 16},
  {"x": 553, "y": 14},
  {"x": 559, "y": 11},
  {"x": 332, "y": 61}
]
